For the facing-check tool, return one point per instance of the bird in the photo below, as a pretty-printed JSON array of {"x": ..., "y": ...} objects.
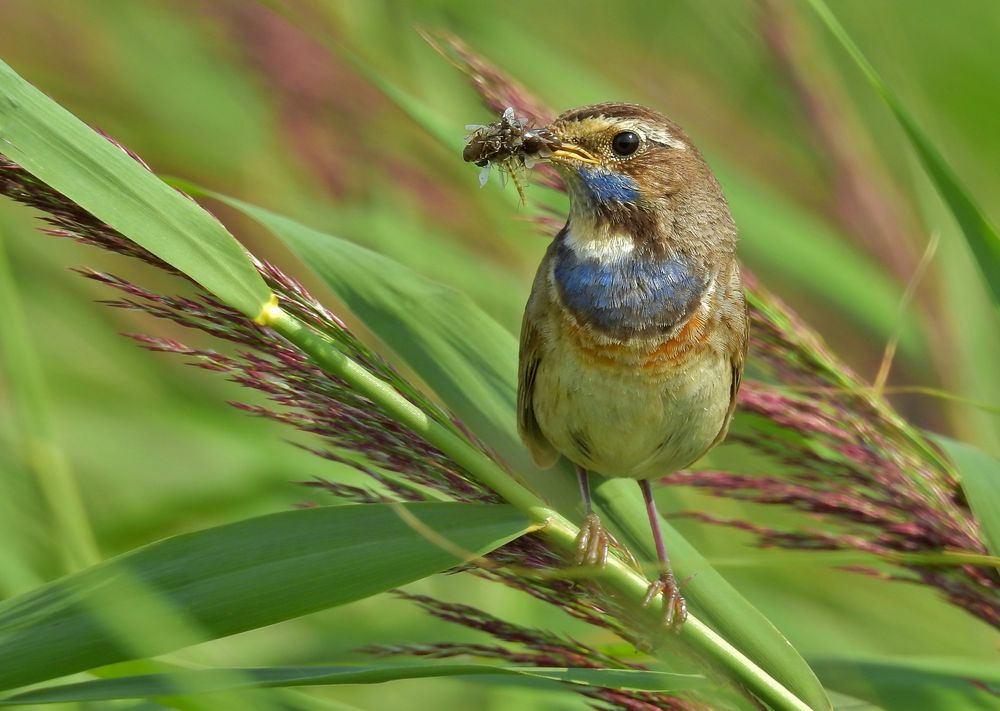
[{"x": 634, "y": 336}]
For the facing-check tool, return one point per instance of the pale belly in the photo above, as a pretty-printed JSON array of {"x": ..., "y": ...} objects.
[{"x": 629, "y": 422}]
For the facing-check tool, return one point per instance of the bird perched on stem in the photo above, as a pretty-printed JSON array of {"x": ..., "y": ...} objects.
[{"x": 635, "y": 333}]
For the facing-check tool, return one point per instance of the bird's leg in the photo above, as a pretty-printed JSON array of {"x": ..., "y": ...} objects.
[
  {"x": 593, "y": 540},
  {"x": 674, "y": 607}
]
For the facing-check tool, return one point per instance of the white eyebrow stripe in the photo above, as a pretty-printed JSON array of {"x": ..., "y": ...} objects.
[{"x": 652, "y": 133}]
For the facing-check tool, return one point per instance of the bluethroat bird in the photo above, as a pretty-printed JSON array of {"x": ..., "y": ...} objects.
[{"x": 635, "y": 334}]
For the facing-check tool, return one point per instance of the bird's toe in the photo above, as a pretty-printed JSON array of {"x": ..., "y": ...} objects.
[
  {"x": 592, "y": 542},
  {"x": 674, "y": 606}
]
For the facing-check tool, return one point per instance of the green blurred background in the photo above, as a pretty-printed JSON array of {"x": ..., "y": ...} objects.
[{"x": 833, "y": 209}]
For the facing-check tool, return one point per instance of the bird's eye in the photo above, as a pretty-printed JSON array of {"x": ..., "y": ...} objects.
[{"x": 625, "y": 143}]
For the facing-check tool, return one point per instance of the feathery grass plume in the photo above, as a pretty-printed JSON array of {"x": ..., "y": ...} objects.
[
  {"x": 847, "y": 458},
  {"x": 400, "y": 464},
  {"x": 309, "y": 399},
  {"x": 531, "y": 647},
  {"x": 845, "y": 455}
]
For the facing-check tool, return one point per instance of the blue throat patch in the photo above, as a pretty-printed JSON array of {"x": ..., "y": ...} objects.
[
  {"x": 634, "y": 295},
  {"x": 607, "y": 186}
]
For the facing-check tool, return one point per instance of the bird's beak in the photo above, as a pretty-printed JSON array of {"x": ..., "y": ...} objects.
[
  {"x": 551, "y": 145},
  {"x": 572, "y": 152},
  {"x": 565, "y": 150}
]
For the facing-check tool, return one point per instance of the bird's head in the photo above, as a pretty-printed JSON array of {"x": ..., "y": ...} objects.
[{"x": 631, "y": 170}]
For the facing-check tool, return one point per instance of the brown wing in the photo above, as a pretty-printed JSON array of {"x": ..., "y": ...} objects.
[
  {"x": 739, "y": 320},
  {"x": 529, "y": 358},
  {"x": 527, "y": 426}
]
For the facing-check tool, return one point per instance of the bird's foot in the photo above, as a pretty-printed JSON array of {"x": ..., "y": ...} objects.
[
  {"x": 592, "y": 542},
  {"x": 674, "y": 607}
]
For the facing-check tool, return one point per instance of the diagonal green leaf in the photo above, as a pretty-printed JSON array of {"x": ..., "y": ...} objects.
[
  {"x": 914, "y": 682},
  {"x": 466, "y": 357},
  {"x": 213, "y": 680},
  {"x": 66, "y": 154},
  {"x": 980, "y": 475},
  {"x": 233, "y": 578},
  {"x": 30, "y": 402},
  {"x": 980, "y": 233}
]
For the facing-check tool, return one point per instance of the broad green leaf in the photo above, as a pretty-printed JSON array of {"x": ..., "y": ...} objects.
[
  {"x": 66, "y": 154},
  {"x": 465, "y": 356},
  {"x": 947, "y": 684},
  {"x": 980, "y": 233},
  {"x": 213, "y": 680},
  {"x": 981, "y": 483},
  {"x": 233, "y": 578}
]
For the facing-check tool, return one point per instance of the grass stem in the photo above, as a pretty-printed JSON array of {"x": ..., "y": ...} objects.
[
  {"x": 40, "y": 452},
  {"x": 556, "y": 529}
]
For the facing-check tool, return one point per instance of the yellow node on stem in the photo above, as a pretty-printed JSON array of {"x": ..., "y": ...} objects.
[{"x": 269, "y": 312}]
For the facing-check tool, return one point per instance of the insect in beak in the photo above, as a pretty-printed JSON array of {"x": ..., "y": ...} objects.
[{"x": 510, "y": 145}]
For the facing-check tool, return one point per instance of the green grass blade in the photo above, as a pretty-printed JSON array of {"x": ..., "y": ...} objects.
[
  {"x": 66, "y": 154},
  {"x": 914, "y": 683},
  {"x": 980, "y": 233},
  {"x": 233, "y": 578},
  {"x": 38, "y": 447},
  {"x": 981, "y": 483},
  {"x": 212, "y": 680},
  {"x": 465, "y": 356}
]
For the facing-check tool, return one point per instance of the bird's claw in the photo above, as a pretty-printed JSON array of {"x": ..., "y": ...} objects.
[
  {"x": 592, "y": 542},
  {"x": 674, "y": 607}
]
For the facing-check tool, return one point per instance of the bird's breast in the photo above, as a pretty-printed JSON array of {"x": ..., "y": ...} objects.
[{"x": 627, "y": 293}]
